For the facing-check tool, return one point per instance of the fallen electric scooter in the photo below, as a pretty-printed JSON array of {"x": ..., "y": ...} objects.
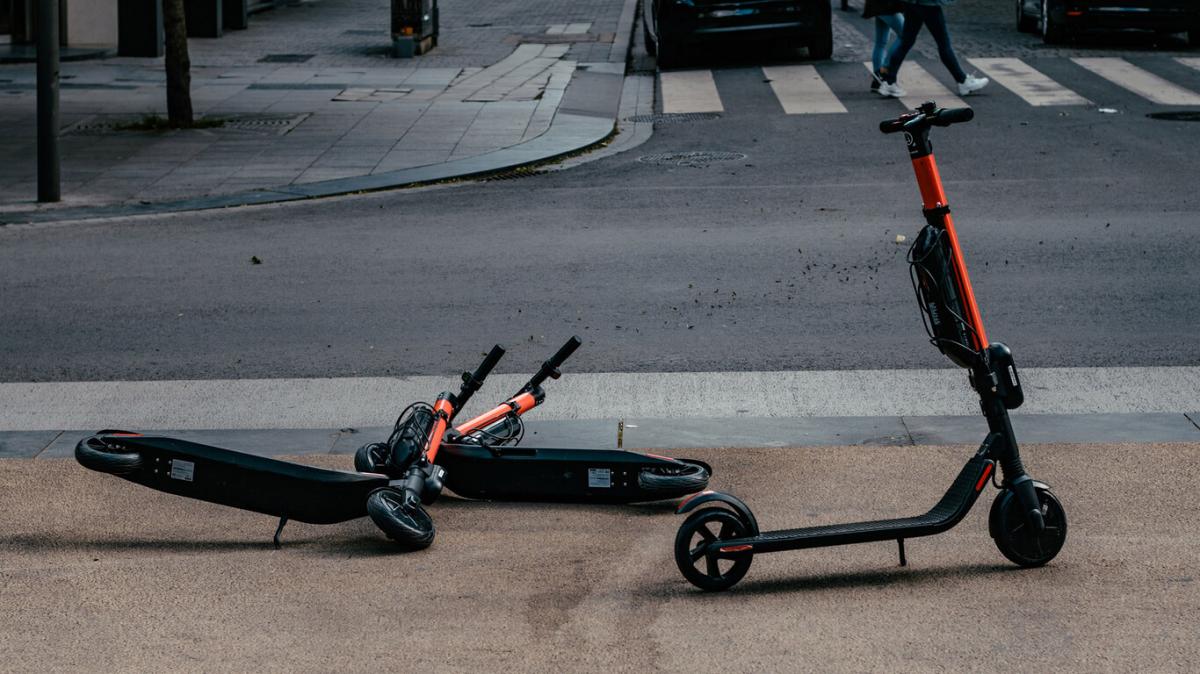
[
  {"x": 715, "y": 545},
  {"x": 281, "y": 488},
  {"x": 482, "y": 458}
]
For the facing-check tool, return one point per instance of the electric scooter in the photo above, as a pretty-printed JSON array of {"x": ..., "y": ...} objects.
[
  {"x": 482, "y": 460},
  {"x": 290, "y": 490},
  {"x": 715, "y": 546}
]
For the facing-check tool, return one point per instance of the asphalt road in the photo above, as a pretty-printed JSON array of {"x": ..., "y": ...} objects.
[
  {"x": 1079, "y": 229},
  {"x": 98, "y": 573}
]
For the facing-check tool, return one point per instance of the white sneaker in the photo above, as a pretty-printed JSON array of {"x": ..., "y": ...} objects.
[
  {"x": 971, "y": 85},
  {"x": 891, "y": 90}
]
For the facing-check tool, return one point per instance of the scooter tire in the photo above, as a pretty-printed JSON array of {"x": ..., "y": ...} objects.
[
  {"x": 1006, "y": 524},
  {"x": 400, "y": 515},
  {"x": 96, "y": 453},
  {"x": 371, "y": 458},
  {"x": 680, "y": 478},
  {"x": 711, "y": 577}
]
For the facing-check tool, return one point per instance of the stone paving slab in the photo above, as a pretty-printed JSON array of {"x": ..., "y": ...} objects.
[{"x": 346, "y": 111}]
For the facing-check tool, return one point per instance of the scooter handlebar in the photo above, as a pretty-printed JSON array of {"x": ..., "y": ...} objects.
[
  {"x": 472, "y": 382},
  {"x": 549, "y": 369},
  {"x": 927, "y": 115}
]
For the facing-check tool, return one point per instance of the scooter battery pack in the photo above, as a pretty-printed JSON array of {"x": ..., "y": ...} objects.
[{"x": 930, "y": 264}]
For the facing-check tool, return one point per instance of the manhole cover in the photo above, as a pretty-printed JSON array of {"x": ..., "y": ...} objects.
[
  {"x": 695, "y": 159},
  {"x": 285, "y": 58},
  {"x": 675, "y": 118},
  {"x": 1179, "y": 116}
]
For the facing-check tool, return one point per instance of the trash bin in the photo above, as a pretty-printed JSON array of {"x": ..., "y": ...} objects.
[{"x": 414, "y": 27}]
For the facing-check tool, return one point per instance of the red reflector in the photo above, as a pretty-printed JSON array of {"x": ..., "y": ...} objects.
[
  {"x": 987, "y": 472},
  {"x": 1074, "y": 12},
  {"x": 737, "y": 548}
]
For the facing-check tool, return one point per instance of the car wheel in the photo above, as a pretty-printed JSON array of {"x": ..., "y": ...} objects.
[
  {"x": 1052, "y": 31},
  {"x": 820, "y": 47},
  {"x": 1194, "y": 37},
  {"x": 648, "y": 39},
  {"x": 1025, "y": 23},
  {"x": 667, "y": 53}
]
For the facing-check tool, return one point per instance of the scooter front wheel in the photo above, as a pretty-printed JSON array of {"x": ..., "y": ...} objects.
[
  {"x": 1016, "y": 539},
  {"x": 711, "y": 570},
  {"x": 400, "y": 515},
  {"x": 107, "y": 456}
]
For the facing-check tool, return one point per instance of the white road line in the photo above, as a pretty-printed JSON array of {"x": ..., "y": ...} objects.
[
  {"x": 556, "y": 29},
  {"x": 1029, "y": 84},
  {"x": 1145, "y": 84},
  {"x": 576, "y": 28},
  {"x": 801, "y": 90},
  {"x": 375, "y": 401},
  {"x": 1189, "y": 62},
  {"x": 919, "y": 86},
  {"x": 689, "y": 91}
]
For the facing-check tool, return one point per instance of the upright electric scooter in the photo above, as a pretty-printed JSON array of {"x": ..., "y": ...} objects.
[{"x": 715, "y": 545}]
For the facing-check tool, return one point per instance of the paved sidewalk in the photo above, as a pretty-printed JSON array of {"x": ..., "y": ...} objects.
[{"x": 339, "y": 109}]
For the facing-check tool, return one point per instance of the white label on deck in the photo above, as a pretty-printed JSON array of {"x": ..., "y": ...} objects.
[
  {"x": 182, "y": 470},
  {"x": 689, "y": 91},
  {"x": 599, "y": 478},
  {"x": 1145, "y": 84},
  {"x": 801, "y": 90},
  {"x": 1029, "y": 84}
]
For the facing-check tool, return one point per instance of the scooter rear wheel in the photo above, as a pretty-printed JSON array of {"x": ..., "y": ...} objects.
[
  {"x": 99, "y": 454},
  {"x": 677, "y": 479},
  {"x": 371, "y": 457},
  {"x": 1013, "y": 535},
  {"x": 400, "y": 515},
  {"x": 710, "y": 572}
]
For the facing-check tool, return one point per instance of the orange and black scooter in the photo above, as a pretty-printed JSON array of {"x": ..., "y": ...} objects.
[
  {"x": 481, "y": 458},
  {"x": 715, "y": 545}
]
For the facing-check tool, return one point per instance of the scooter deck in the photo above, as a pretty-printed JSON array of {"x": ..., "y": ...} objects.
[
  {"x": 949, "y": 511},
  {"x": 554, "y": 474},
  {"x": 251, "y": 482}
]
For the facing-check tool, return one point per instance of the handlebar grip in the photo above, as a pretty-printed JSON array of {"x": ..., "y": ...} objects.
[
  {"x": 948, "y": 116},
  {"x": 485, "y": 368},
  {"x": 564, "y": 353},
  {"x": 893, "y": 125}
]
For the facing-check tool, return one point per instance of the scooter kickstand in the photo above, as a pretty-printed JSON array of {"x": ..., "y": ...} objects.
[
  {"x": 899, "y": 541},
  {"x": 279, "y": 530}
]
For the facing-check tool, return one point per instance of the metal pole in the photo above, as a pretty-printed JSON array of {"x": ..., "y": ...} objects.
[{"x": 47, "y": 100}]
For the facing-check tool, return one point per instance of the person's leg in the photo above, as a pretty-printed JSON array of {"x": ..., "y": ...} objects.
[
  {"x": 908, "y": 37},
  {"x": 881, "y": 40},
  {"x": 896, "y": 23},
  {"x": 936, "y": 20}
]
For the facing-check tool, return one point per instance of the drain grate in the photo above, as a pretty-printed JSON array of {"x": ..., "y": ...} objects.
[
  {"x": 285, "y": 58},
  {"x": 276, "y": 125},
  {"x": 675, "y": 117},
  {"x": 693, "y": 159},
  {"x": 1177, "y": 116}
]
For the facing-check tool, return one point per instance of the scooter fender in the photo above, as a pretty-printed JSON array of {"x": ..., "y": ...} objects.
[{"x": 708, "y": 496}]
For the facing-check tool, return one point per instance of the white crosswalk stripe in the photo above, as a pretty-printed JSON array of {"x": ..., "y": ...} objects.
[
  {"x": 1141, "y": 82},
  {"x": 689, "y": 91},
  {"x": 919, "y": 86},
  {"x": 1032, "y": 86},
  {"x": 806, "y": 89},
  {"x": 801, "y": 90}
]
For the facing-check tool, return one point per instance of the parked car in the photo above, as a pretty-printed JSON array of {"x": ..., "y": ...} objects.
[
  {"x": 1056, "y": 20},
  {"x": 671, "y": 26}
]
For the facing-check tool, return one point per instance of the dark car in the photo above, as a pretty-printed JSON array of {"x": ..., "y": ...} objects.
[
  {"x": 1056, "y": 20},
  {"x": 674, "y": 25}
]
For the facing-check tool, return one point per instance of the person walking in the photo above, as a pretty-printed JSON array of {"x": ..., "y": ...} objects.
[
  {"x": 888, "y": 19},
  {"x": 929, "y": 13}
]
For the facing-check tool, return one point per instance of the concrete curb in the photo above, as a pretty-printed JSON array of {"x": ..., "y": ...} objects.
[{"x": 583, "y": 120}]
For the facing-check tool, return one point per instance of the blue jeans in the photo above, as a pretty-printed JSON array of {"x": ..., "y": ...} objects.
[
  {"x": 914, "y": 17},
  {"x": 885, "y": 24}
]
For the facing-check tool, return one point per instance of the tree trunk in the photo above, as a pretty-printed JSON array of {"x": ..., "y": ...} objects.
[{"x": 179, "y": 77}]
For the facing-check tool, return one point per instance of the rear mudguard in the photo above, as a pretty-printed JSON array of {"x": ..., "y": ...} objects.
[
  {"x": 247, "y": 481},
  {"x": 550, "y": 474},
  {"x": 735, "y": 503}
]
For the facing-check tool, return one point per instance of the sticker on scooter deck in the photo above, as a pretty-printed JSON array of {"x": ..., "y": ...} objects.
[
  {"x": 599, "y": 478},
  {"x": 183, "y": 470}
]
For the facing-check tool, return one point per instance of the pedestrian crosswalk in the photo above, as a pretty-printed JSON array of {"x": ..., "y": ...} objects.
[{"x": 826, "y": 89}]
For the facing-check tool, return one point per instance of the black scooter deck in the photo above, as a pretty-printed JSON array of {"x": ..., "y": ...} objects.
[
  {"x": 552, "y": 474},
  {"x": 241, "y": 480}
]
